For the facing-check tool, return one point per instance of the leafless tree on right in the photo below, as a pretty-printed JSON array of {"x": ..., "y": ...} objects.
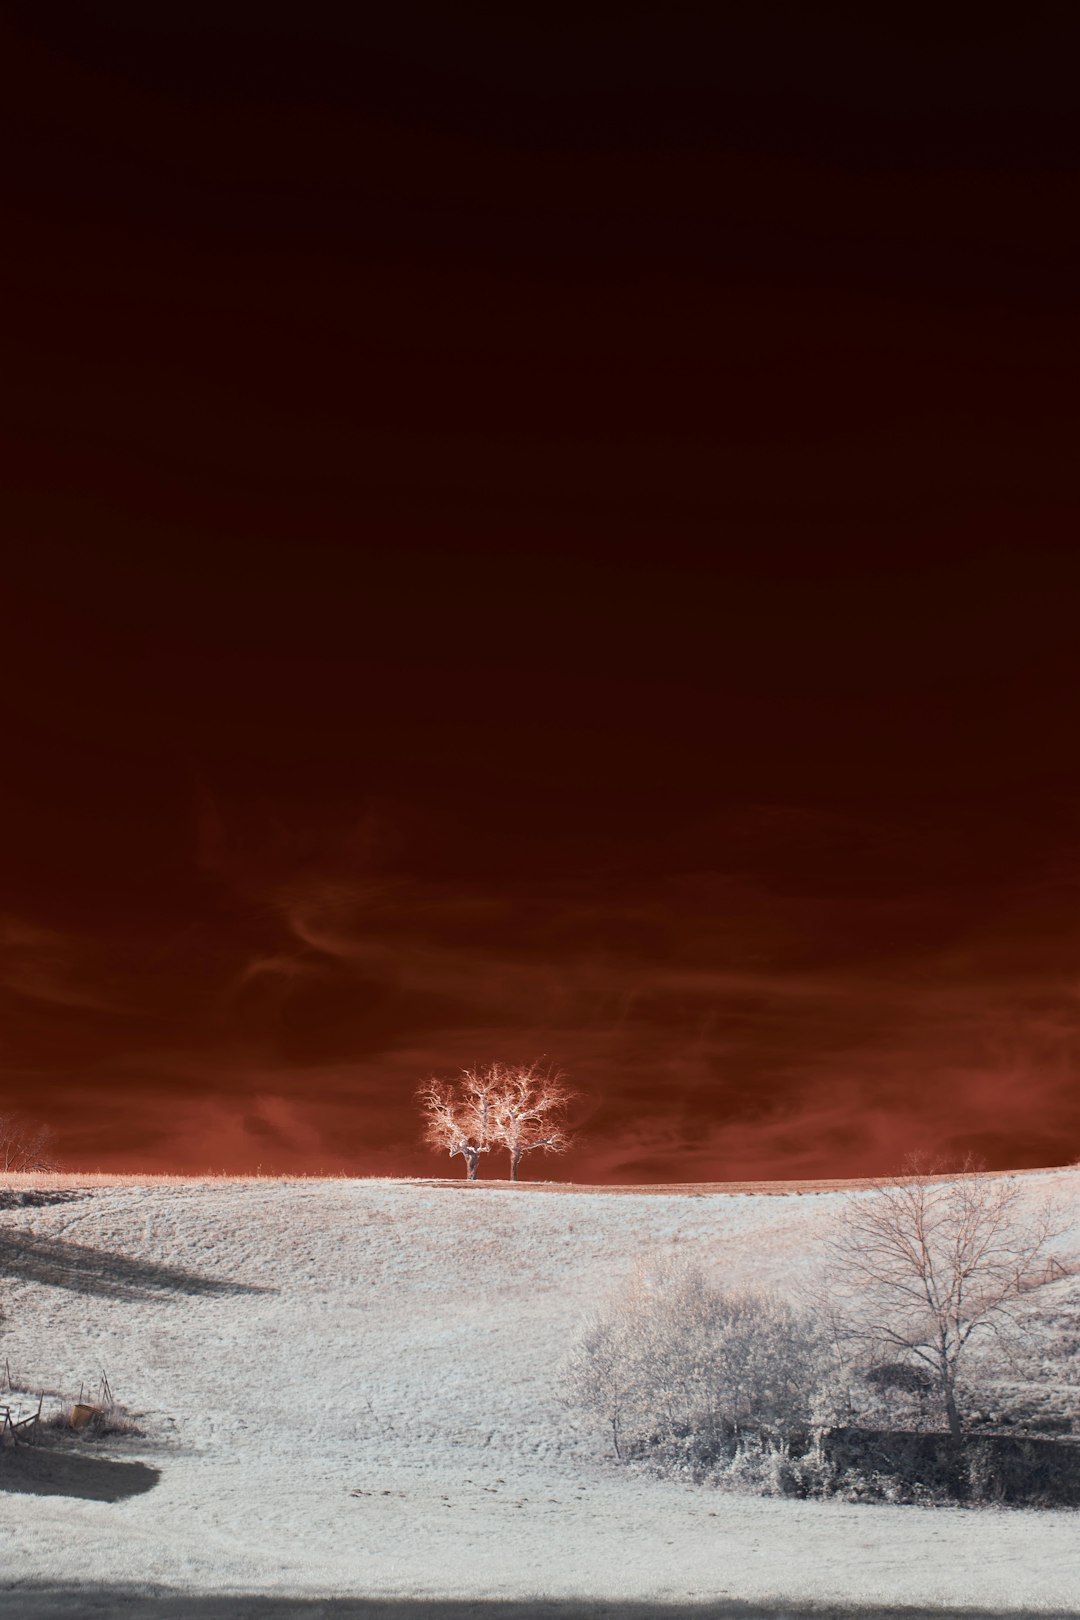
[
  {"x": 530, "y": 1112},
  {"x": 930, "y": 1263}
]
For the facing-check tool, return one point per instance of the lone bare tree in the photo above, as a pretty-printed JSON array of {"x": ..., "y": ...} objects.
[
  {"x": 928, "y": 1263},
  {"x": 459, "y": 1117},
  {"x": 520, "y": 1108},
  {"x": 530, "y": 1113},
  {"x": 24, "y": 1146}
]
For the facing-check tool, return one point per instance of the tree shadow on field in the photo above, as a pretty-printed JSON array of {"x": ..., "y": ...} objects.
[
  {"x": 38, "y": 1197},
  {"x": 85, "y": 1270},
  {"x": 75, "y": 1602},
  {"x": 43, "y": 1471}
]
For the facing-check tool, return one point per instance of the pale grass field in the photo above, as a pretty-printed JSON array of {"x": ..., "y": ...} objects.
[{"x": 348, "y": 1389}]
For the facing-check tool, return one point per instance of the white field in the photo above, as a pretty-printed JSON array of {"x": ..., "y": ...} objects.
[{"x": 381, "y": 1419}]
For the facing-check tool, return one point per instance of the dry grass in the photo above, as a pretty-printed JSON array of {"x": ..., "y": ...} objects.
[
  {"x": 105, "y": 1422},
  {"x": 62, "y": 1180},
  {"x": 56, "y": 1180},
  {"x": 103, "y": 1415},
  {"x": 710, "y": 1189}
]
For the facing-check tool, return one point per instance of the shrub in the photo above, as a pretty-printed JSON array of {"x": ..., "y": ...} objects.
[
  {"x": 748, "y": 1392},
  {"x": 684, "y": 1373}
]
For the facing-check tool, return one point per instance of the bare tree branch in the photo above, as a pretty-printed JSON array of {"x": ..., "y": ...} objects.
[
  {"x": 518, "y": 1107},
  {"x": 531, "y": 1106},
  {"x": 929, "y": 1262},
  {"x": 459, "y": 1118},
  {"x": 24, "y": 1146}
]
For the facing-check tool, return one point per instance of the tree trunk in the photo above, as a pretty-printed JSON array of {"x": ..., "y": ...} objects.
[
  {"x": 515, "y": 1160},
  {"x": 947, "y": 1375},
  {"x": 472, "y": 1160},
  {"x": 955, "y": 1428}
]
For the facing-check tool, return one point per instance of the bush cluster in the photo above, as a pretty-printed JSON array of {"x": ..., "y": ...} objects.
[
  {"x": 683, "y": 1372},
  {"x": 747, "y": 1391}
]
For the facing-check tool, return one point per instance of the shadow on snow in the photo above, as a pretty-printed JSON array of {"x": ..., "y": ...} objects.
[
  {"x": 76, "y": 1602},
  {"x": 99, "y": 1271},
  {"x": 38, "y": 1197},
  {"x": 41, "y": 1471}
]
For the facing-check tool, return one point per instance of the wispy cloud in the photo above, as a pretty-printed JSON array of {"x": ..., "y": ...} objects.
[
  {"x": 47, "y": 965},
  {"x": 715, "y": 1023}
]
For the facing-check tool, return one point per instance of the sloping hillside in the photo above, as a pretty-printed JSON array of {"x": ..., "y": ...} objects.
[{"x": 348, "y": 1388}]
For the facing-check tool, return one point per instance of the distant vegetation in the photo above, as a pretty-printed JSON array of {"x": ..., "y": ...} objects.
[
  {"x": 939, "y": 1358},
  {"x": 514, "y": 1109},
  {"x": 24, "y": 1146}
]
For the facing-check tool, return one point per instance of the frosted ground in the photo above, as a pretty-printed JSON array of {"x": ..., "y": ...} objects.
[{"x": 348, "y": 1391}]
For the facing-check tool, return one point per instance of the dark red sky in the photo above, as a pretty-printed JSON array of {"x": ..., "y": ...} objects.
[{"x": 531, "y": 535}]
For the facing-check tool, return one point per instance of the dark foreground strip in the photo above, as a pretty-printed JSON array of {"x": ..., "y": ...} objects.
[{"x": 79, "y": 1602}]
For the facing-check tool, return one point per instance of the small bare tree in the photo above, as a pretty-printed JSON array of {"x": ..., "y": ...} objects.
[
  {"x": 927, "y": 1264},
  {"x": 459, "y": 1117},
  {"x": 24, "y": 1146},
  {"x": 530, "y": 1112}
]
